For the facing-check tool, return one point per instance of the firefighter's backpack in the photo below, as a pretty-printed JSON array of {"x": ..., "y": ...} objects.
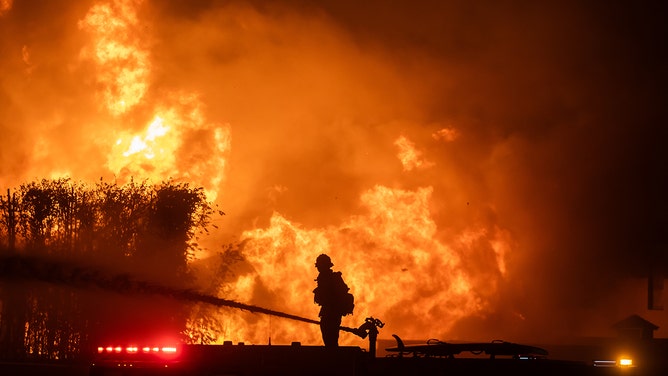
[{"x": 347, "y": 304}]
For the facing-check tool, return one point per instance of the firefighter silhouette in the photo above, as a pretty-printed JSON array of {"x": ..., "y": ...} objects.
[{"x": 333, "y": 297}]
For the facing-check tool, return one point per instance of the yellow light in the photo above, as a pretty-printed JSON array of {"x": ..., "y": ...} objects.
[
  {"x": 131, "y": 349},
  {"x": 625, "y": 362},
  {"x": 118, "y": 349},
  {"x": 100, "y": 350},
  {"x": 169, "y": 349}
]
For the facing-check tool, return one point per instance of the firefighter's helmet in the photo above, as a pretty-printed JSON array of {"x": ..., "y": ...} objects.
[{"x": 323, "y": 260}]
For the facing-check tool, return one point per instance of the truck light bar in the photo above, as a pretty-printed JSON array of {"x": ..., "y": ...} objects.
[{"x": 135, "y": 349}]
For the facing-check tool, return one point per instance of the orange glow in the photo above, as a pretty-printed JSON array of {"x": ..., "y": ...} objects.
[
  {"x": 625, "y": 362},
  {"x": 124, "y": 64},
  {"x": 5, "y": 6},
  {"x": 159, "y": 152},
  {"x": 138, "y": 144},
  {"x": 311, "y": 172},
  {"x": 446, "y": 134},
  {"x": 410, "y": 157}
]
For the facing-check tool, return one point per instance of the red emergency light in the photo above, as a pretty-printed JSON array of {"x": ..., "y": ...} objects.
[{"x": 132, "y": 349}]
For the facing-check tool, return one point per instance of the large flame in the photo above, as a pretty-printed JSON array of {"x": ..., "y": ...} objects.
[
  {"x": 390, "y": 257},
  {"x": 178, "y": 142}
]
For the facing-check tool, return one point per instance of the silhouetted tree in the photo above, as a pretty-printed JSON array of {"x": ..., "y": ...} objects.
[
  {"x": 12, "y": 316},
  {"x": 131, "y": 229}
]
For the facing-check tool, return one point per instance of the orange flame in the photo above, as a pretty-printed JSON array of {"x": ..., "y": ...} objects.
[
  {"x": 124, "y": 65},
  {"x": 390, "y": 257},
  {"x": 159, "y": 152},
  {"x": 410, "y": 157}
]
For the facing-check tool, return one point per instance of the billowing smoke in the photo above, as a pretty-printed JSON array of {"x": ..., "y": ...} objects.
[{"x": 529, "y": 133}]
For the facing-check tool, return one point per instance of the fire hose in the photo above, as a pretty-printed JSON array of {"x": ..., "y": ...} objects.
[{"x": 19, "y": 267}]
